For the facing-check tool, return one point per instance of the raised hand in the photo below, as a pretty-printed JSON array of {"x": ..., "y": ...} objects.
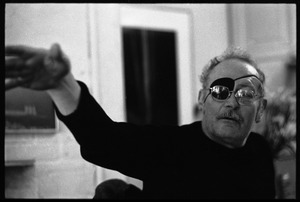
[{"x": 34, "y": 68}]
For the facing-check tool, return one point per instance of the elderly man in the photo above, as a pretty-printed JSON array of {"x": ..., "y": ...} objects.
[{"x": 216, "y": 158}]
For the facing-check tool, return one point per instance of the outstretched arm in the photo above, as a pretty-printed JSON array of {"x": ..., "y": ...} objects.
[
  {"x": 42, "y": 69},
  {"x": 125, "y": 147}
]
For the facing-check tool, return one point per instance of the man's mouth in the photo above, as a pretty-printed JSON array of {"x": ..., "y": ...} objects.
[{"x": 230, "y": 117}]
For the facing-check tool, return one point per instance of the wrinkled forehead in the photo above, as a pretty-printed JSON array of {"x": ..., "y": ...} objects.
[
  {"x": 250, "y": 81},
  {"x": 232, "y": 68},
  {"x": 243, "y": 81}
]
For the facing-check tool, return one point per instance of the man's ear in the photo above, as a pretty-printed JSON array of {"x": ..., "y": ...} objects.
[
  {"x": 261, "y": 108},
  {"x": 200, "y": 98},
  {"x": 200, "y": 105}
]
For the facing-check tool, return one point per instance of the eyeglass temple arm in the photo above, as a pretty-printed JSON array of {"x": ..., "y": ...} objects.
[{"x": 207, "y": 94}]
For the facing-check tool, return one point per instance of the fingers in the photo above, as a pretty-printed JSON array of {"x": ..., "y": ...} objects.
[
  {"x": 19, "y": 73},
  {"x": 24, "y": 52},
  {"x": 16, "y": 67},
  {"x": 10, "y": 85},
  {"x": 22, "y": 60},
  {"x": 13, "y": 83},
  {"x": 14, "y": 63},
  {"x": 17, "y": 50}
]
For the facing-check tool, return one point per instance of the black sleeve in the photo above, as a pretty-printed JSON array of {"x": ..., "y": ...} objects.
[{"x": 130, "y": 149}]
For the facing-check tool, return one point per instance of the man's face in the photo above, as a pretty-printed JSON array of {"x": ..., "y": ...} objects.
[{"x": 226, "y": 121}]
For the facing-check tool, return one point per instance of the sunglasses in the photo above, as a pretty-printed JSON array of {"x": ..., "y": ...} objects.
[{"x": 244, "y": 96}]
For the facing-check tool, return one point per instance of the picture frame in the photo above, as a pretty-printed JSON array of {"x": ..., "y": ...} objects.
[{"x": 29, "y": 111}]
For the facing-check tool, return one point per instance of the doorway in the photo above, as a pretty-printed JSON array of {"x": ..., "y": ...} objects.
[{"x": 150, "y": 76}]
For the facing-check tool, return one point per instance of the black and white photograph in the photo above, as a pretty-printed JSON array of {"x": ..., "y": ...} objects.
[{"x": 136, "y": 101}]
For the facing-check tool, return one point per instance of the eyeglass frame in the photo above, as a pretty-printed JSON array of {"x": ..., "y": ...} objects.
[{"x": 256, "y": 95}]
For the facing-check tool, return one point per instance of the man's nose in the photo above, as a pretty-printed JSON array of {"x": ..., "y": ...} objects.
[{"x": 232, "y": 101}]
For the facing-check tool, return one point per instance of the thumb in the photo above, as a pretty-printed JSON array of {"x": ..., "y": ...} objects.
[{"x": 56, "y": 52}]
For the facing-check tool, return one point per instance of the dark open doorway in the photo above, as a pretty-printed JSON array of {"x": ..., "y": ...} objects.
[{"x": 150, "y": 76}]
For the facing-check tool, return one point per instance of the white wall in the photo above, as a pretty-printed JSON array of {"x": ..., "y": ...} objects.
[{"x": 58, "y": 171}]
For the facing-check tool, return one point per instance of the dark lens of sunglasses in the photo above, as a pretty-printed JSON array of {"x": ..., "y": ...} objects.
[
  {"x": 245, "y": 96},
  {"x": 245, "y": 93},
  {"x": 220, "y": 92}
]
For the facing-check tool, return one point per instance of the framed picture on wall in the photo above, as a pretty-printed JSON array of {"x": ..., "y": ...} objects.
[{"x": 29, "y": 111}]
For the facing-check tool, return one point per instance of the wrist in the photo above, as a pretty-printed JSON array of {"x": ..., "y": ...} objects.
[
  {"x": 67, "y": 83},
  {"x": 66, "y": 94}
]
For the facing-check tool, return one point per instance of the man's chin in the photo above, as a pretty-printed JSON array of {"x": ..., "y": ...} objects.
[{"x": 229, "y": 127}]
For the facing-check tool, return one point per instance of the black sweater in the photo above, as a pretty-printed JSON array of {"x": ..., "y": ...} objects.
[{"x": 172, "y": 161}]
